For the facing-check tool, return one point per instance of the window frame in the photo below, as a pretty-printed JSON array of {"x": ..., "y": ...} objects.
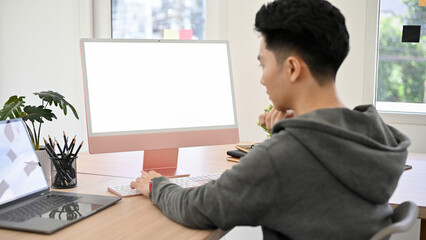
[
  {"x": 97, "y": 13},
  {"x": 370, "y": 69}
]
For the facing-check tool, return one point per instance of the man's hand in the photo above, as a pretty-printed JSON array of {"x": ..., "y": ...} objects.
[
  {"x": 271, "y": 117},
  {"x": 142, "y": 183}
]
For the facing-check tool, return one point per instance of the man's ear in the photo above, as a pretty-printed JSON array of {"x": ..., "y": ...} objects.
[{"x": 293, "y": 67}]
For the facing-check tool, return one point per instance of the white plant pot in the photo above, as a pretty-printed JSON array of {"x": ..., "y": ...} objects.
[{"x": 44, "y": 159}]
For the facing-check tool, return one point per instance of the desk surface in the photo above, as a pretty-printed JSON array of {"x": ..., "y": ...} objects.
[
  {"x": 412, "y": 184},
  {"x": 204, "y": 160},
  {"x": 130, "y": 218},
  {"x": 138, "y": 218},
  {"x": 134, "y": 217},
  {"x": 195, "y": 160}
]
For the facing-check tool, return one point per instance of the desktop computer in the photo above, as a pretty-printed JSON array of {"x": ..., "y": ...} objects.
[{"x": 158, "y": 96}]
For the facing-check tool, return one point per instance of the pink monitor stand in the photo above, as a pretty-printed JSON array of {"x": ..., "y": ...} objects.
[
  {"x": 161, "y": 150},
  {"x": 163, "y": 161}
]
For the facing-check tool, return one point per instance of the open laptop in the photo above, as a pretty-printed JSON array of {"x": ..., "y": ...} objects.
[{"x": 23, "y": 188}]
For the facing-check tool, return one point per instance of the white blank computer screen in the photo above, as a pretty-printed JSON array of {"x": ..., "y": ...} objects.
[{"x": 158, "y": 86}]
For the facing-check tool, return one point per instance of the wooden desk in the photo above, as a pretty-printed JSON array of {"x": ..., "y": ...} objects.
[
  {"x": 130, "y": 218},
  {"x": 412, "y": 186},
  {"x": 195, "y": 160},
  {"x": 203, "y": 160},
  {"x": 138, "y": 218}
]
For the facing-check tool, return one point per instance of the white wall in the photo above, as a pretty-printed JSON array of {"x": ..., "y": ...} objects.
[
  {"x": 244, "y": 41},
  {"x": 39, "y": 51}
]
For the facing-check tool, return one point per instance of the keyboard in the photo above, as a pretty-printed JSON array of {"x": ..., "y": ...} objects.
[
  {"x": 185, "y": 182},
  {"x": 123, "y": 190},
  {"x": 36, "y": 208},
  {"x": 196, "y": 181}
]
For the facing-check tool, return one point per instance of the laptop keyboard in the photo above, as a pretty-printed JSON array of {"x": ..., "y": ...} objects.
[{"x": 36, "y": 208}]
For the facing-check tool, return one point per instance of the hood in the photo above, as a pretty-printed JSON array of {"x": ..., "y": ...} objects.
[{"x": 355, "y": 146}]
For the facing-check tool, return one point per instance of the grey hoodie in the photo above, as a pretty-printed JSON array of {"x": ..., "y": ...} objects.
[{"x": 327, "y": 174}]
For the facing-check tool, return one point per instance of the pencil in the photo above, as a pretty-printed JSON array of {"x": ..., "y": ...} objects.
[
  {"x": 72, "y": 144},
  {"x": 49, "y": 149},
  {"x": 59, "y": 146},
  {"x": 46, "y": 144},
  {"x": 71, "y": 147},
  {"x": 78, "y": 149},
  {"x": 48, "y": 152},
  {"x": 50, "y": 141},
  {"x": 65, "y": 144}
]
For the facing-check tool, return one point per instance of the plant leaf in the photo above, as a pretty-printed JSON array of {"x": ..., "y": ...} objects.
[
  {"x": 38, "y": 114},
  {"x": 58, "y": 100},
  {"x": 267, "y": 109},
  {"x": 13, "y": 108}
]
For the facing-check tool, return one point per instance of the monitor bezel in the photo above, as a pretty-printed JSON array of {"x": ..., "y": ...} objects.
[{"x": 175, "y": 138}]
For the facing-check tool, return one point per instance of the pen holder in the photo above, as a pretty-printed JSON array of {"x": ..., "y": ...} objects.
[{"x": 63, "y": 172}]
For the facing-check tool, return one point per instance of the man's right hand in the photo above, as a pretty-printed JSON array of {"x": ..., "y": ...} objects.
[{"x": 271, "y": 117}]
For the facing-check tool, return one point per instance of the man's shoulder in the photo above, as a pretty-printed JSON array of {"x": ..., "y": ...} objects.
[
  {"x": 334, "y": 119},
  {"x": 281, "y": 143}
]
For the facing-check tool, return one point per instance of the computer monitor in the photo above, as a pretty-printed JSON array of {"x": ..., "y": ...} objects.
[{"x": 158, "y": 96}]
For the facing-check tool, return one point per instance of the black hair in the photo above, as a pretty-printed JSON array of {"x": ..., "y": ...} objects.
[{"x": 315, "y": 30}]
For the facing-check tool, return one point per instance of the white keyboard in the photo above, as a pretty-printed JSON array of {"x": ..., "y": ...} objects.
[
  {"x": 123, "y": 190},
  {"x": 184, "y": 182},
  {"x": 196, "y": 181}
]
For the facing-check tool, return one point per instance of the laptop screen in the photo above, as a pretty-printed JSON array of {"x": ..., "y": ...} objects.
[{"x": 20, "y": 173}]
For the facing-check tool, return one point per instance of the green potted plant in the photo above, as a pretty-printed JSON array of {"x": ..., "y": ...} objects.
[
  {"x": 34, "y": 116},
  {"x": 267, "y": 109}
]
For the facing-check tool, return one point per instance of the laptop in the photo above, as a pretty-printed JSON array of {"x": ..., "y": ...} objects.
[{"x": 26, "y": 202}]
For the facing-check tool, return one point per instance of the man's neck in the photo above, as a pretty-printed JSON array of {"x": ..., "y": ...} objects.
[{"x": 316, "y": 97}]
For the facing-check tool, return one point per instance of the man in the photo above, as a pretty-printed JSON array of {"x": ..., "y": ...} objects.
[{"x": 326, "y": 172}]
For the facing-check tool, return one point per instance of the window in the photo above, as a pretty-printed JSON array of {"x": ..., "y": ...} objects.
[
  {"x": 146, "y": 19},
  {"x": 401, "y": 65}
]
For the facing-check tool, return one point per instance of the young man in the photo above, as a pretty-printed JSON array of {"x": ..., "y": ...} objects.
[{"x": 326, "y": 172}]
